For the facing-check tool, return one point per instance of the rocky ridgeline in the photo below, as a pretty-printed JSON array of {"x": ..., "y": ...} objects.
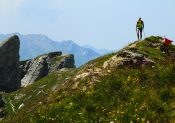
[
  {"x": 15, "y": 74},
  {"x": 35, "y": 69},
  {"x": 129, "y": 57}
]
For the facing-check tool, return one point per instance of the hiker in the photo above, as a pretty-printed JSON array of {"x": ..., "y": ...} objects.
[
  {"x": 139, "y": 28},
  {"x": 165, "y": 45}
]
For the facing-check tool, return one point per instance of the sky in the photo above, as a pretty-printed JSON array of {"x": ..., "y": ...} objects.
[{"x": 108, "y": 24}]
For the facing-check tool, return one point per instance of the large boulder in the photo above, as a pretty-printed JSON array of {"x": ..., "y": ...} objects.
[
  {"x": 131, "y": 58},
  {"x": 9, "y": 64},
  {"x": 128, "y": 59},
  {"x": 35, "y": 69}
]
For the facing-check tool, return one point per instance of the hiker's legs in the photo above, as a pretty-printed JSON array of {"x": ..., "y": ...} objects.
[{"x": 140, "y": 33}]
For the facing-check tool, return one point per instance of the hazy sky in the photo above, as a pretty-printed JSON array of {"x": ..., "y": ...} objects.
[{"x": 106, "y": 24}]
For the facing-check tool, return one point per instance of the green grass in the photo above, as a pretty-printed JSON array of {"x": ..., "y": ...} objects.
[
  {"x": 145, "y": 49},
  {"x": 98, "y": 62},
  {"x": 35, "y": 93},
  {"x": 135, "y": 95}
]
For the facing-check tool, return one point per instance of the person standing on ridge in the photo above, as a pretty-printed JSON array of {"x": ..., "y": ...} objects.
[{"x": 139, "y": 28}]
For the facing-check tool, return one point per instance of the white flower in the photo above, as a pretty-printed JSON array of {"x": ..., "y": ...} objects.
[{"x": 112, "y": 122}]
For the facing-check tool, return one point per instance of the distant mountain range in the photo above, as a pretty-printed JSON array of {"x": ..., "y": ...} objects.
[
  {"x": 100, "y": 51},
  {"x": 32, "y": 45}
]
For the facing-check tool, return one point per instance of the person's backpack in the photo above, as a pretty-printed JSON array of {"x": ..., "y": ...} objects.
[{"x": 139, "y": 24}]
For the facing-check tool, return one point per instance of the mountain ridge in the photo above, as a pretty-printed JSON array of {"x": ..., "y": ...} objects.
[
  {"x": 33, "y": 45},
  {"x": 100, "y": 51}
]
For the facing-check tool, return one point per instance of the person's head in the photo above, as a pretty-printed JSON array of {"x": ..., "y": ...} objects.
[{"x": 140, "y": 18}]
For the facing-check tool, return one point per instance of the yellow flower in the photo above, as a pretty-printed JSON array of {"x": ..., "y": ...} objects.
[
  {"x": 143, "y": 119},
  {"x": 122, "y": 112}
]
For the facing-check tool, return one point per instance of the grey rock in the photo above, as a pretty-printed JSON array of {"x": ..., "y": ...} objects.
[
  {"x": 131, "y": 59},
  {"x": 9, "y": 64},
  {"x": 130, "y": 54},
  {"x": 24, "y": 66},
  {"x": 35, "y": 69},
  {"x": 67, "y": 62},
  {"x": 54, "y": 54}
]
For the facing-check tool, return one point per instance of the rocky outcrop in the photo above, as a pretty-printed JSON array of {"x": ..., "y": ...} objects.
[
  {"x": 129, "y": 59},
  {"x": 35, "y": 69},
  {"x": 67, "y": 62},
  {"x": 13, "y": 73},
  {"x": 9, "y": 64}
]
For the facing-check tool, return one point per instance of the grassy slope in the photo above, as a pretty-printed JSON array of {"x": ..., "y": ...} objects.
[
  {"x": 34, "y": 93},
  {"x": 124, "y": 95}
]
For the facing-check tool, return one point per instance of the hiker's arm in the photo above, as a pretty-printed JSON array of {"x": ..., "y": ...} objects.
[{"x": 143, "y": 25}]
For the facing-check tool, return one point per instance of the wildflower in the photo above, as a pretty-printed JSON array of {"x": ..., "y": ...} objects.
[
  {"x": 122, "y": 112},
  {"x": 112, "y": 122},
  {"x": 143, "y": 119},
  {"x": 129, "y": 78}
]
